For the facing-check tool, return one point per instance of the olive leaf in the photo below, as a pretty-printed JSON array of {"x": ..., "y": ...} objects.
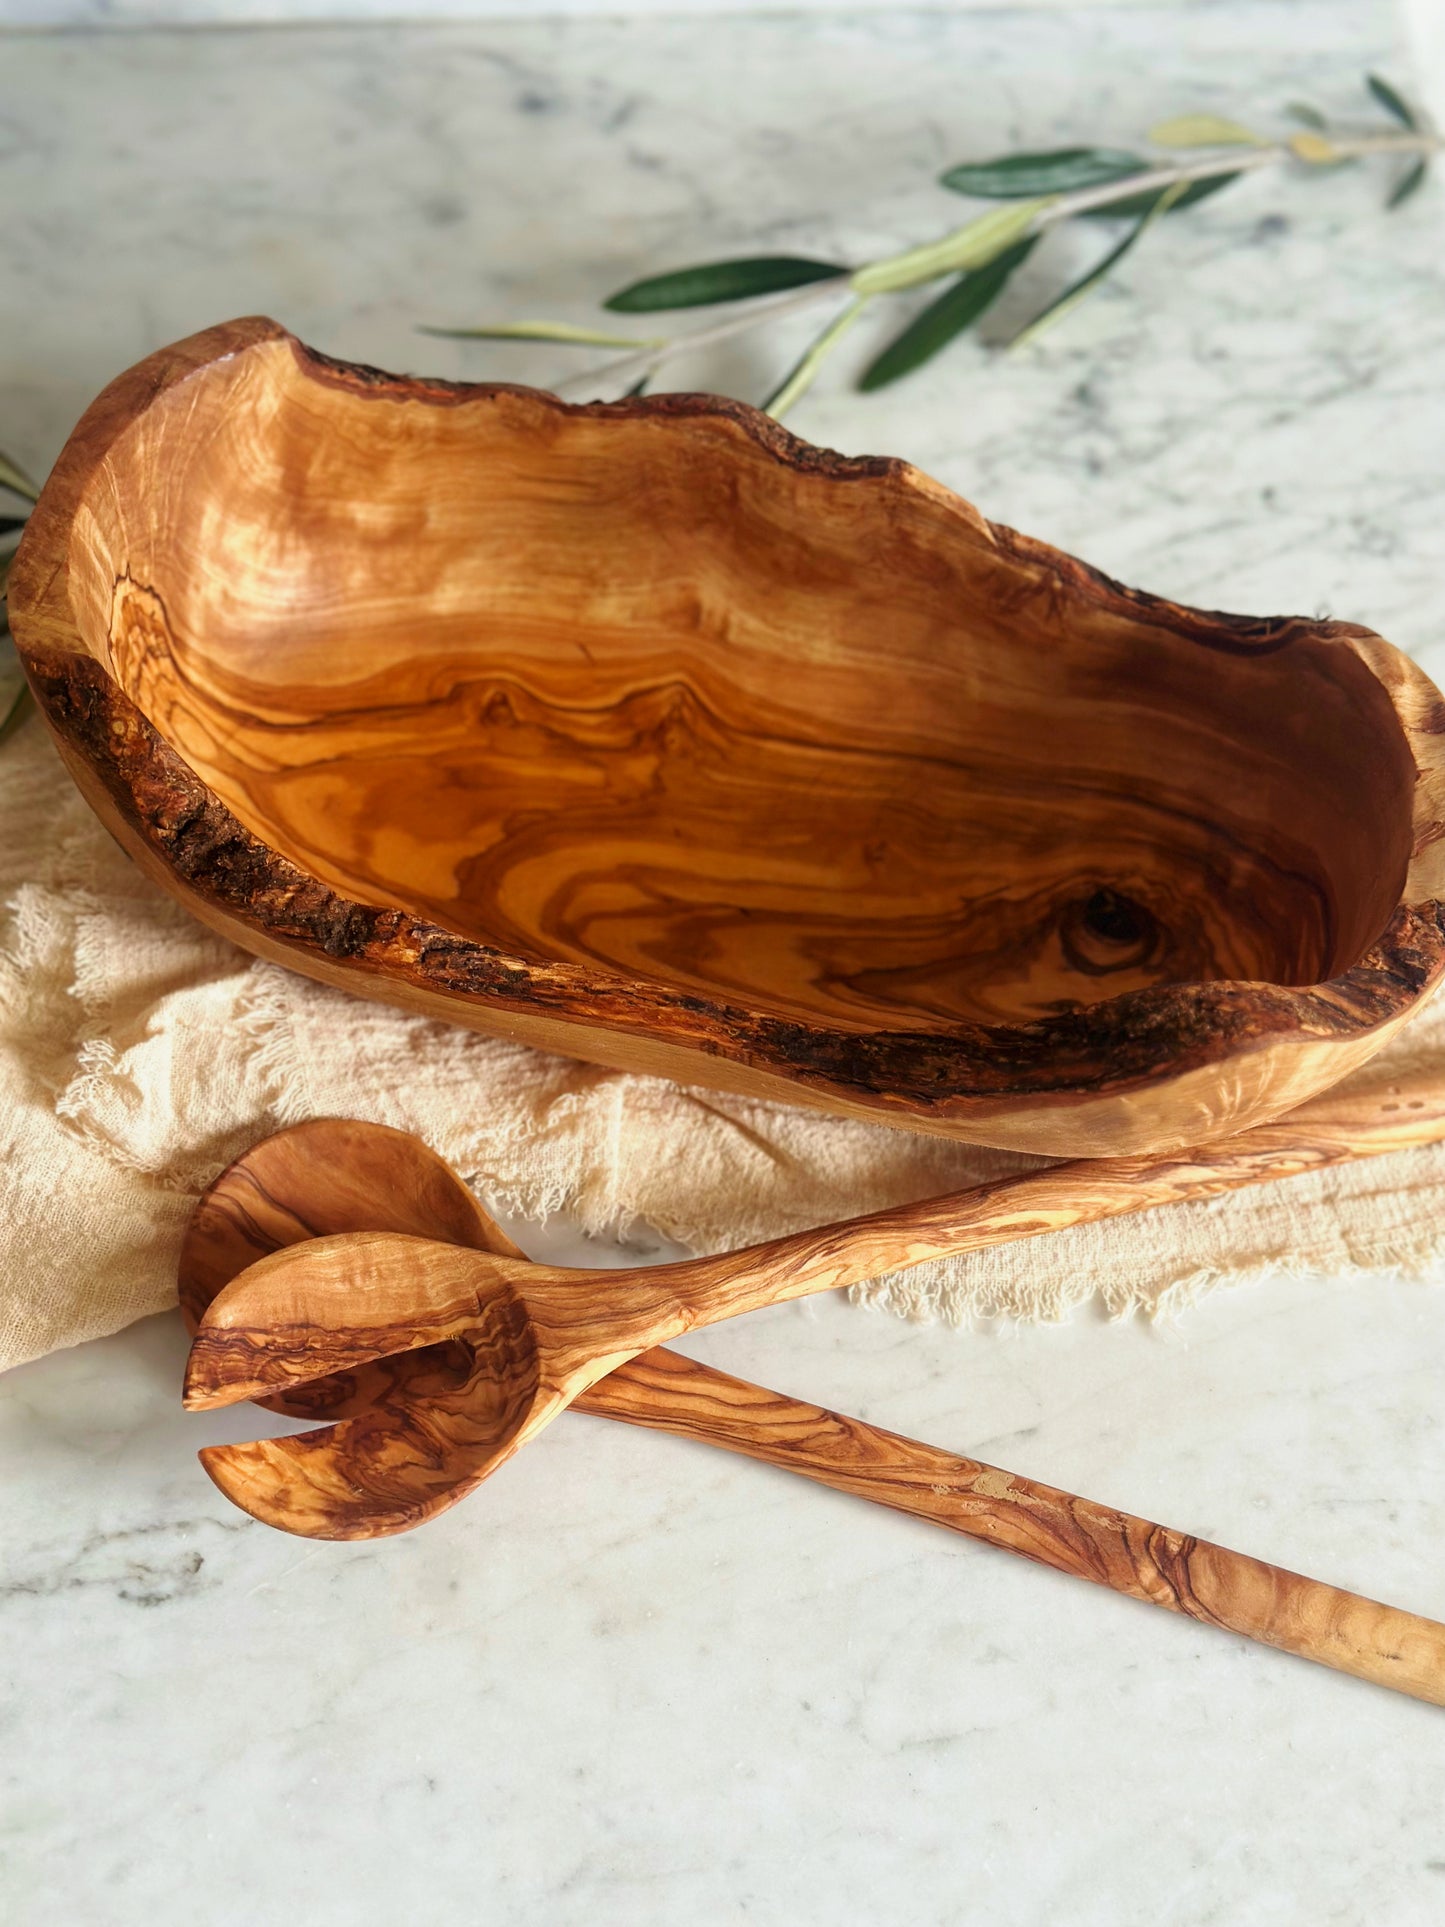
[
  {"x": 1315, "y": 150},
  {"x": 1391, "y": 101},
  {"x": 14, "y": 708},
  {"x": 1203, "y": 130},
  {"x": 1409, "y": 183},
  {"x": 639, "y": 387},
  {"x": 561, "y": 331},
  {"x": 971, "y": 246},
  {"x": 957, "y": 308},
  {"x": 9, "y": 524},
  {"x": 16, "y": 701},
  {"x": 721, "y": 281},
  {"x": 1086, "y": 283},
  {"x": 1132, "y": 205},
  {"x": 1307, "y": 116},
  {"x": 1413, "y": 178},
  {"x": 13, "y": 477},
  {"x": 804, "y": 371},
  {"x": 1022, "y": 176}
]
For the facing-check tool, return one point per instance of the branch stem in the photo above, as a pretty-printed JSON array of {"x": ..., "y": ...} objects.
[
  {"x": 955, "y": 248},
  {"x": 1222, "y": 160},
  {"x": 631, "y": 368}
]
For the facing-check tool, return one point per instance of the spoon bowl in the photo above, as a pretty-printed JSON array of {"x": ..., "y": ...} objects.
[{"x": 312, "y": 1180}]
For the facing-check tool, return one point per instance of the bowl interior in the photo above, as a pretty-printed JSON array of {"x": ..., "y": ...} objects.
[{"x": 632, "y": 692}]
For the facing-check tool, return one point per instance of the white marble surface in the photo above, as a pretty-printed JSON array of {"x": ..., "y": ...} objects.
[
  {"x": 631, "y": 1681},
  {"x": 142, "y": 13}
]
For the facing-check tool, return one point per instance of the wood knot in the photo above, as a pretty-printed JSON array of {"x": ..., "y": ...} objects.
[{"x": 1108, "y": 931}]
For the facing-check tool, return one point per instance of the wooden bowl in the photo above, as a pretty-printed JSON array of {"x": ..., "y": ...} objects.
[{"x": 650, "y": 734}]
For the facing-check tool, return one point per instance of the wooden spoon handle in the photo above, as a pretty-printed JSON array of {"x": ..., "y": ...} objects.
[
  {"x": 1334, "y": 1129},
  {"x": 670, "y": 1393},
  {"x": 302, "y": 1315}
]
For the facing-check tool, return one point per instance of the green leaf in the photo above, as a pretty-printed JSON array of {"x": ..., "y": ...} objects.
[
  {"x": 957, "y": 308},
  {"x": 1409, "y": 183},
  {"x": 971, "y": 246},
  {"x": 9, "y": 524},
  {"x": 1315, "y": 150},
  {"x": 721, "y": 281},
  {"x": 562, "y": 331},
  {"x": 16, "y": 706},
  {"x": 1391, "y": 101},
  {"x": 13, "y": 477},
  {"x": 1019, "y": 177},
  {"x": 1133, "y": 205},
  {"x": 1076, "y": 291},
  {"x": 639, "y": 387},
  {"x": 804, "y": 372},
  {"x": 1307, "y": 116},
  {"x": 1203, "y": 130},
  {"x": 15, "y": 698}
]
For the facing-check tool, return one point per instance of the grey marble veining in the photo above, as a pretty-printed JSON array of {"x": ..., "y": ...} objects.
[{"x": 632, "y": 1681}]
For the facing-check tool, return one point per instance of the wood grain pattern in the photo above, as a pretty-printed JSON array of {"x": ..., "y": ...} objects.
[
  {"x": 527, "y": 1340},
  {"x": 648, "y": 733},
  {"x": 313, "y": 1180},
  {"x": 1054, "y": 1528},
  {"x": 337, "y": 1176}
]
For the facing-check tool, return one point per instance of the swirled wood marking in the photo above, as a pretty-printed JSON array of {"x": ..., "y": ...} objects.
[
  {"x": 357, "y": 1177},
  {"x": 648, "y": 732}
]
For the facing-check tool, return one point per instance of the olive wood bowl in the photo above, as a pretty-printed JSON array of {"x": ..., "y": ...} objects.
[{"x": 645, "y": 732}]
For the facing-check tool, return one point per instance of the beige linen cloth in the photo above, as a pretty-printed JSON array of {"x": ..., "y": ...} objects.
[{"x": 139, "y": 1053}]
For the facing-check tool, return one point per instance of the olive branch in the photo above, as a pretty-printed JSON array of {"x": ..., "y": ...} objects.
[{"x": 1038, "y": 192}]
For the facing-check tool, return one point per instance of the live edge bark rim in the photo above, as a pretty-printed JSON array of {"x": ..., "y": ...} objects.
[{"x": 1159, "y": 1064}]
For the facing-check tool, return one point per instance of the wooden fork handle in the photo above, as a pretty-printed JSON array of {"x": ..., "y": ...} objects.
[{"x": 670, "y": 1393}]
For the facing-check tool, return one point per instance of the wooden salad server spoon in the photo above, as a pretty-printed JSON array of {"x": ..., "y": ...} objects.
[
  {"x": 333, "y": 1176},
  {"x": 538, "y": 1334}
]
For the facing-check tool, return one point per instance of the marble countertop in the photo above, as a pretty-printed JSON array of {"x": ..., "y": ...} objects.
[{"x": 634, "y": 1681}]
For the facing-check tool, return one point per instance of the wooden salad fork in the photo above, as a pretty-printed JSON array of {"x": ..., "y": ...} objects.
[{"x": 332, "y": 1177}]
